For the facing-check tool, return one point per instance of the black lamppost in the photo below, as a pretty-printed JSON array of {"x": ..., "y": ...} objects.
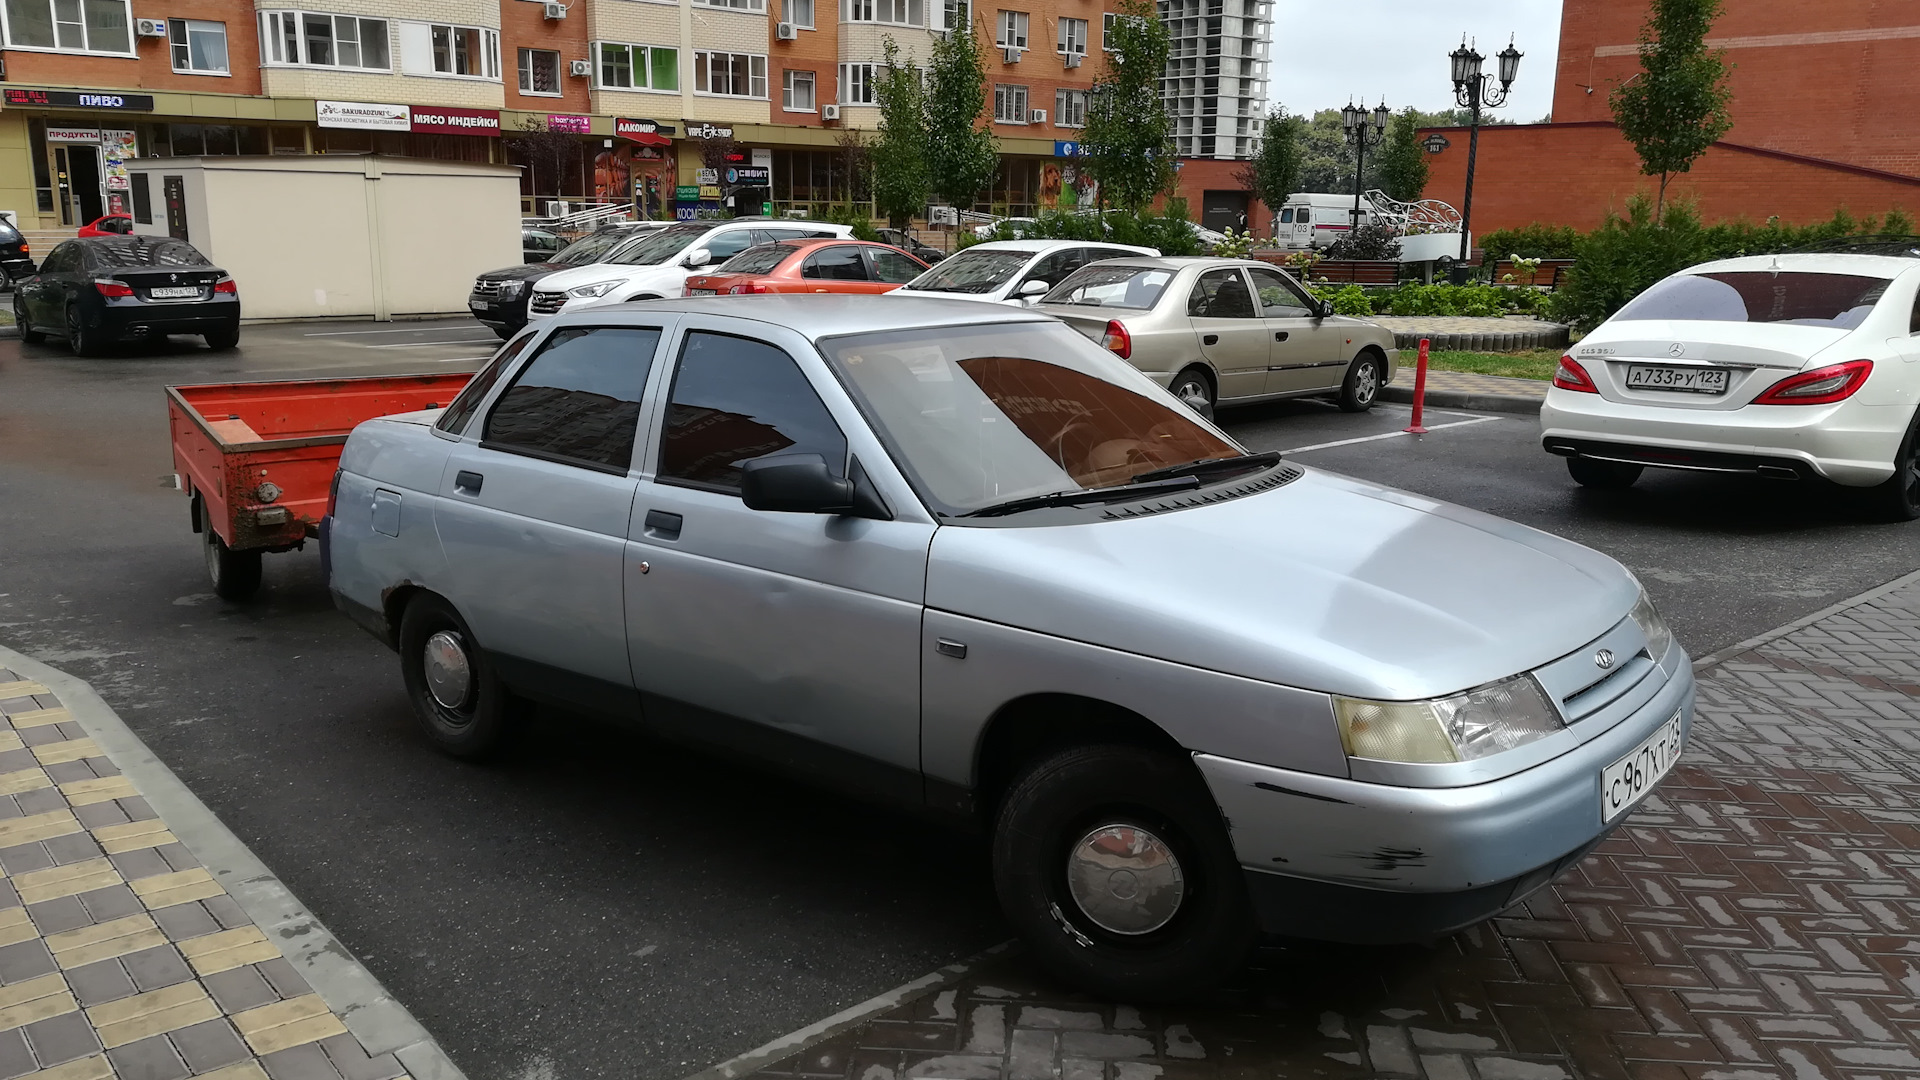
[
  {"x": 1474, "y": 91},
  {"x": 1354, "y": 119}
]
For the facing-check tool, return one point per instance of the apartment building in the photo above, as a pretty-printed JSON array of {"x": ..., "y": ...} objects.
[{"x": 598, "y": 99}]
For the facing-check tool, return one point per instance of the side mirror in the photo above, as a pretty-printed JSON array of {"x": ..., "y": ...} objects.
[
  {"x": 1324, "y": 310},
  {"x": 795, "y": 484},
  {"x": 1032, "y": 289},
  {"x": 698, "y": 257}
]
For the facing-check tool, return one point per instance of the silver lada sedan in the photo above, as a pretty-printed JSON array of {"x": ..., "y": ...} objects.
[{"x": 966, "y": 560}]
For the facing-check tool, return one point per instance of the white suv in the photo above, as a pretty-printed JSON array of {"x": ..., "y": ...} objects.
[{"x": 660, "y": 265}]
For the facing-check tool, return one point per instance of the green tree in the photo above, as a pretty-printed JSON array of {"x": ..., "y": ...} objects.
[
  {"x": 961, "y": 153},
  {"x": 1401, "y": 160},
  {"x": 898, "y": 156},
  {"x": 1128, "y": 140},
  {"x": 1275, "y": 171},
  {"x": 1678, "y": 105}
]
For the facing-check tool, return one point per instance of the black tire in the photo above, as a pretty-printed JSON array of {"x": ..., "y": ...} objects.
[
  {"x": 1194, "y": 389},
  {"x": 1361, "y": 388},
  {"x": 222, "y": 340},
  {"x": 1604, "y": 475},
  {"x": 502, "y": 332},
  {"x": 1898, "y": 498},
  {"x": 1050, "y": 812},
  {"x": 476, "y": 726},
  {"x": 82, "y": 341},
  {"x": 235, "y": 574},
  {"x": 27, "y": 333}
]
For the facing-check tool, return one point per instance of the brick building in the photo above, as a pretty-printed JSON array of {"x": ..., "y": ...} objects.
[{"x": 1826, "y": 114}]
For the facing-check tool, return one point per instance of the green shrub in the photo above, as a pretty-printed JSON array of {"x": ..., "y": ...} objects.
[
  {"x": 1346, "y": 300},
  {"x": 1376, "y": 243},
  {"x": 1482, "y": 301},
  {"x": 1535, "y": 241}
]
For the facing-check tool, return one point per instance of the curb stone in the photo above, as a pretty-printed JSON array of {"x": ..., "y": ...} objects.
[
  {"x": 381, "y": 1023},
  {"x": 1460, "y": 399}
]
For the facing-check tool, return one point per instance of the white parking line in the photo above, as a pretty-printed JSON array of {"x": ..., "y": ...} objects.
[
  {"x": 357, "y": 333},
  {"x": 1386, "y": 435},
  {"x": 424, "y": 344}
]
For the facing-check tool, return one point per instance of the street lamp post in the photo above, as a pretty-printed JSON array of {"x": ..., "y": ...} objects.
[
  {"x": 1474, "y": 91},
  {"x": 1354, "y": 120}
]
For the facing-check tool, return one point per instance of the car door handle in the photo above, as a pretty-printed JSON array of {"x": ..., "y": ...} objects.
[
  {"x": 663, "y": 525},
  {"x": 1210, "y": 339},
  {"x": 1279, "y": 335},
  {"x": 468, "y": 483}
]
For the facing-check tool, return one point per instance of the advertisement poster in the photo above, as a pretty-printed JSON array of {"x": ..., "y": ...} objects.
[
  {"x": 572, "y": 125},
  {"x": 116, "y": 147},
  {"x": 363, "y": 116}
]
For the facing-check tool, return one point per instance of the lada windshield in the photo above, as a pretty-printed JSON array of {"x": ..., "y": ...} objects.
[
  {"x": 1762, "y": 296},
  {"x": 971, "y": 271},
  {"x": 980, "y": 415}
]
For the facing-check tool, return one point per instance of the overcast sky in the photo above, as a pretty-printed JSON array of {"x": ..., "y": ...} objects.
[{"x": 1324, "y": 53}]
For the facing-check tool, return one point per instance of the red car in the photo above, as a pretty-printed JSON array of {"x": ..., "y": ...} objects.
[
  {"x": 829, "y": 265},
  {"x": 108, "y": 225}
]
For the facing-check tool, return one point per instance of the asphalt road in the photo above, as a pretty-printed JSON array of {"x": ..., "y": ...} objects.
[{"x": 601, "y": 905}]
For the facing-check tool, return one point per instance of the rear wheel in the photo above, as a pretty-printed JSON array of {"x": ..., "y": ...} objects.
[
  {"x": 1194, "y": 390},
  {"x": 460, "y": 703},
  {"x": 235, "y": 574},
  {"x": 1898, "y": 498},
  {"x": 222, "y": 340},
  {"x": 1606, "y": 475},
  {"x": 1113, "y": 863},
  {"x": 27, "y": 333},
  {"x": 82, "y": 341},
  {"x": 1362, "y": 384}
]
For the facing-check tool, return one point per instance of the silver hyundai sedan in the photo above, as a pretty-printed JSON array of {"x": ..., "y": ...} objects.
[{"x": 966, "y": 560}]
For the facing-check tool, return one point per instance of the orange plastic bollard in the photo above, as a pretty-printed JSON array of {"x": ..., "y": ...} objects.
[{"x": 1419, "y": 393}]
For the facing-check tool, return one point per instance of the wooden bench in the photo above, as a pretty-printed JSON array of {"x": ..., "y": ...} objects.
[
  {"x": 1339, "y": 271},
  {"x": 1548, "y": 274}
]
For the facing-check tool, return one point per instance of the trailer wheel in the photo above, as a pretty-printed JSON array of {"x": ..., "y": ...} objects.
[{"x": 235, "y": 574}]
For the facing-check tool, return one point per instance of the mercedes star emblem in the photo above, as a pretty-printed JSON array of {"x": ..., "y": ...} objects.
[{"x": 1676, "y": 349}]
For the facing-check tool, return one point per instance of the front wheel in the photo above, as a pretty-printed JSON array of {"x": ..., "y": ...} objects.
[
  {"x": 1114, "y": 865},
  {"x": 27, "y": 333},
  {"x": 1898, "y": 497},
  {"x": 1194, "y": 390},
  {"x": 461, "y": 704},
  {"x": 235, "y": 574},
  {"x": 1362, "y": 384},
  {"x": 1604, "y": 475}
]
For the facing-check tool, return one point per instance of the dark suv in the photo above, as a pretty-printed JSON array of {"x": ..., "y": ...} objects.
[
  {"x": 499, "y": 297},
  {"x": 16, "y": 258}
]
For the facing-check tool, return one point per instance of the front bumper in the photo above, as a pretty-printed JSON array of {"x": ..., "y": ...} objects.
[
  {"x": 508, "y": 313},
  {"x": 1347, "y": 860},
  {"x": 1846, "y": 442}
]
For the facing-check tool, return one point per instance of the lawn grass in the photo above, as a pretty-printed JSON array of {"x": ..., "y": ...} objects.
[{"x": 1534, "y": 364}]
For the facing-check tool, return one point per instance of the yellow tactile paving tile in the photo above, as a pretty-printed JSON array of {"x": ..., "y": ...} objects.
[
  {"x": 20, "y": 688},
  {"x": 103, "y": 941},
  {"x": 36, "y": 827},
  {"x": 90, "y": 1068},
  {"x": 35, "y": 999},
  {"x": 292, "y": 1022},
  {"x": 156, "y": 1012},
  {"x": 54, "y": 753},
  {"x": 166, "y": 890},
  {"x": 39, "y": 718},
  {"x": 10, "y": 739},
  {"x": 98, "y": 790},
  {"x": 39, "y": 886},
  {"x": 227, "y": 950},
  {"x": 14, "y": 783},
  {"x": 15, "y": 927},
  {"x": 246, "y": 1070},
  {"x": 133, "y": 835}
]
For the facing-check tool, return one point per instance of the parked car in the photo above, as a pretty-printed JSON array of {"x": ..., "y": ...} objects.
[
  {"x": 101, "y": 290},
  {"x": 660, "y": 264},
  {"x": 107, "y": 225},
  {"x": 539, "y": 245},
  {"x": 929, "y": 552},
  {"x": 1225, "y": 331},
  {"x": 1795, "y": 367},
  {"x": 1011, "y": 271},
  {"x": 908, "y": 243},
  {"x": 16, "y": 255},
  {"x": 810, "y": 266},
  {"x": 499, "y": 297}
]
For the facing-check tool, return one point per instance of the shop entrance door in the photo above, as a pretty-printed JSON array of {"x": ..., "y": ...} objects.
[{"x": 78, "y": 167}]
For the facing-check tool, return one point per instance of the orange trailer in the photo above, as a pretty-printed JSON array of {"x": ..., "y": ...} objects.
[{"x": 257, "y": 459}]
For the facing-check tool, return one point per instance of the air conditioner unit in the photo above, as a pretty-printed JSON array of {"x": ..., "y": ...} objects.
[
  {"x": 1037, "y": 116},
  {"x": 580, "y": 68},
  {"x": 1074, "y": 58},
  {"x": 150, "y": 27},
  {"x": 829, "y": 112},
  {"x": 555, "y": 11},
  {"x": 556, "y": 209},
  {"x": 1011, "y": 56},
  {"x": 786, "y": 31}
]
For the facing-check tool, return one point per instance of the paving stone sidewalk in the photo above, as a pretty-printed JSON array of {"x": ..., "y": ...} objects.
[
  {"x": 1757, "y": 919},
  {"x": 120, "y": 954},
  {"x": 1466, "y": 382}
]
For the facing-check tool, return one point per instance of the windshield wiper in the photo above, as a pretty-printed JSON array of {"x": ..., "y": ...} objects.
[
  {"x": 1086, "y": 495},
  {"x": 1204, "y": 465}
]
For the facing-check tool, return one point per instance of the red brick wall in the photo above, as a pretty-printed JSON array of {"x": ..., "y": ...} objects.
[
  {"x": 525, "y": 26},
  {"x": 154, "y": 69},
  {"x": 816, "y": 50},
  {"x": 1200, "y": 175},
  {"x": 1824, "y": 78},
  {"x": 1572, "y": 174}
]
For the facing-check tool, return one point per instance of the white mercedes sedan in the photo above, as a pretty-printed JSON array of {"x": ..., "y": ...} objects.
[{"x": 1794, "y": 367}]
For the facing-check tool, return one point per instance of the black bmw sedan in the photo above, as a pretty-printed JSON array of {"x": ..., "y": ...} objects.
[{"x": 99, "y": 290}]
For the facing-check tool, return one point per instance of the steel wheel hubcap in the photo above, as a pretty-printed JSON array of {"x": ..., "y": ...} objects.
[
  {"x": 1125, "y": 879},
  {"x": 449, "y": 674}
]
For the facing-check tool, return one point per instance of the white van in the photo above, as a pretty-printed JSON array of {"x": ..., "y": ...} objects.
[{"x": 1316, "y": 219}]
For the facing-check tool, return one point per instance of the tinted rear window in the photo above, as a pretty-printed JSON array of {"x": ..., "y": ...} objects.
[
  {"x": 1760, "y": 296},
  {"x": 756, "y": 260},
  {"x": 8, "y": 234},
  {"x": 1137, "y": 287},
  {"x": 144, "y": 252}
]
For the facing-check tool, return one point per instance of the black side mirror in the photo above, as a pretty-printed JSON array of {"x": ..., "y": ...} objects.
[
  {"x": 1323, "y": 310},
  {"x": 795, "y": 484}
]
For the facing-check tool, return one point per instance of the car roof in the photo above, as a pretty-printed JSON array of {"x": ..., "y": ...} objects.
[
  {"x": 1887, "y": 266},
  {"x": 1178, "y": 262},
  {"x": 819, "y": 315},
  {"x": 1036, "y": 247}
]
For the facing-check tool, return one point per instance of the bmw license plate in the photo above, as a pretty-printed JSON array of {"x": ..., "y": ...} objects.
[
  {"x": 1623, "y": 782},
  {"x": 702, "y": 292},
  {"x": 1686, "y": 380},
  {"x": 174, "y": 292}
]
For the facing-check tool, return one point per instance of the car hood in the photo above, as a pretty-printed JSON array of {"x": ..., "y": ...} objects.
[
  {"x": 999, "y": 293},
  {"x": 1772, "y": 345},
  {"x": 1326, "y": 583},
  {"x": 524, "y": 272},
  {"x": 576, "y": 276}
]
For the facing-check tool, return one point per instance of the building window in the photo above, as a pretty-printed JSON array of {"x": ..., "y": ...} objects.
[
  {"x": 955, "y": 13},
  {"x": 1013, "y": 30},
  {"x": 97, "y": 26},
  {"x": 1106, "y": 31},
  {"x": 1010, "y": 104},
  {"x": 857, "y": 83},
  {"x": 730, "y": 74},
  {"x": 796, "y": 91},
  {"x": 1070, "y": 108},
  {"x": 799, "y": 12},
  {"x": 637, "y": 67},
  {"x": 1073, "y": 36},
  {"x": 897, "y": 12},
  {"x": 540, "y": 72},
  {"x": 465, "y": 50},
  {"x": 198, "y": 47},
  {"x": 300, "y": 37},
  {"x": 742, "y": 5}
]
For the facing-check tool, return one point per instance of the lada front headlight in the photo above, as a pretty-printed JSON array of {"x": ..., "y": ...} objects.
[
  {"x": 1659, "y": 635},
  {"x": 598, "y": 288},
  {"x": 1463, "y": 727}
]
